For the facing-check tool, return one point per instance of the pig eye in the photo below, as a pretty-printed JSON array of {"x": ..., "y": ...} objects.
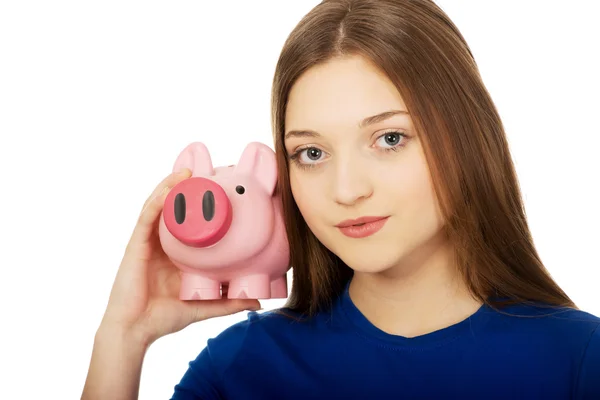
[{"x": 240, "y": 189}]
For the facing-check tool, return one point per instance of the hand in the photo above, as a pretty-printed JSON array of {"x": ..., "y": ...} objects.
[{"x": 144, "y": 300}]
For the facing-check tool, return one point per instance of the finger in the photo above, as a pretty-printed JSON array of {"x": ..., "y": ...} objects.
[
  {"x": 206, "y": 309},
  {"x": 168, "y": 181},
  {"x": 154, "y": 206}
]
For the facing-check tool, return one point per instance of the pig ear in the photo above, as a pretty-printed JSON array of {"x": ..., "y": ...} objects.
[
  {"x": 197, "y": 158},
  {"x": 258, "y": 160}
]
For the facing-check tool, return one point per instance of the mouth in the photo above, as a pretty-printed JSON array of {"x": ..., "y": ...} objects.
[
  {"x": 359, "y": 221},
  {"x": 362, "y": 227}
]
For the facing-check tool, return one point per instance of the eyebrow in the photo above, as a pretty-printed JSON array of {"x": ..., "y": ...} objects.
[{"x": 364, "y": 123}]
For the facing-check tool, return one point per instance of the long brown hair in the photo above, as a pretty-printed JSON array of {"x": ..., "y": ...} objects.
[{"x": 425, "y": 56}]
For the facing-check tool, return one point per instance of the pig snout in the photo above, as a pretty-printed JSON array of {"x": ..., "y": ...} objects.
[{"x": 197, "y": 212}]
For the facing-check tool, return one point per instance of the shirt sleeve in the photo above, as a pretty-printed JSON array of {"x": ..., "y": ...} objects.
[
  {"x": 589, "y": 374},
  {"x": 203, "y": 378}
]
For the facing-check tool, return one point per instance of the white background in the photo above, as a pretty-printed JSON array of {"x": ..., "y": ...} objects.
[{"x": 98, "y": 98}]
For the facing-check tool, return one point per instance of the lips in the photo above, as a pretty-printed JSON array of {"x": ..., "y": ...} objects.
[
  {"x": 361, "y": 227},
  {"x": 358, "y": 222}
]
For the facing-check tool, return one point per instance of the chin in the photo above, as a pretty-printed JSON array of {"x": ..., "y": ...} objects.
[
  {"x": 373, "y": 257},
  {"x": 372, "y": 265},
  {"x": 369, "y": 268}
]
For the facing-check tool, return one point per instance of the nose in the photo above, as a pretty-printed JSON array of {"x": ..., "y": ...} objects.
[
  {"x": 351, "y": 183},
  {"x": 197, "y": 212}
]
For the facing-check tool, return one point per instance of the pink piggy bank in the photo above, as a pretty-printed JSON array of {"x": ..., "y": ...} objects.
[{"x": 224, "y": 225}]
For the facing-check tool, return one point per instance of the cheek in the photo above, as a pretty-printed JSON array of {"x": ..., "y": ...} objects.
[
  {"x": 412, "y": 194},
  {"x": 302, "y": 196},
  {"x": 426, "y": 212},
  {"x": 308, "y": 195}
]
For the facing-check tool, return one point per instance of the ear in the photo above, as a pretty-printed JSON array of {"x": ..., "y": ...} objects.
[
  {"x": 258, "y": 160},
  {"x": 196, "y": 158}
]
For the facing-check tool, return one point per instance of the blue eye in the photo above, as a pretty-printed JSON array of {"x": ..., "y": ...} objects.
[
  {"x": 390, "y": 140},
  {"x": 312, "y": 153},
  {"x": 307, "y": 157}
]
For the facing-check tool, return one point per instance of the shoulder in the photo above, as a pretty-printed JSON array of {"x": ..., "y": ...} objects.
[
  {"x": 257, "y": 325},
  {"x": 258, "y": 331},
  {"x": 588, "y": 383},
  {"x": 555, "y": 321},
  {"x": 246, "y": 343},
  {"x": 560, "y": 326},
  {"x": 562, "y": 335}
]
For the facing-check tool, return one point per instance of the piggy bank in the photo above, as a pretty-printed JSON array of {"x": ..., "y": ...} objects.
[{"x": 224, "y": 226}]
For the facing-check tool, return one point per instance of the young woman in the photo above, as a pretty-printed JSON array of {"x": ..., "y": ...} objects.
[{"x": 415, "y": 274}]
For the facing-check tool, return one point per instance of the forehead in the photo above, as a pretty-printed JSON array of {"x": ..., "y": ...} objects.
[{"x": 340, "y": 93}]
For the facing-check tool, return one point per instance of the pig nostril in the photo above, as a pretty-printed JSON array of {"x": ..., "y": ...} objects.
[
  {"x": 180, "y": 208},
  {"x": 240, "y": 189},
  {"x": 208, "y": 205}
]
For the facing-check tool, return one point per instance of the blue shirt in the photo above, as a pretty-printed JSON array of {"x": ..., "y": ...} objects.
[{"x": 341, "y": 355}]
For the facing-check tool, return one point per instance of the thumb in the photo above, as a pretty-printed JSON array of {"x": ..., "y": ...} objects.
[{"x": 200, "y": 310}]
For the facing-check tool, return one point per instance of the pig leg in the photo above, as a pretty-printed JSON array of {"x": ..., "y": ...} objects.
[
  {"x": 197, "y": 287},
  {"x": 250, "y": 287},
  {"x": 279, "y": 288}
]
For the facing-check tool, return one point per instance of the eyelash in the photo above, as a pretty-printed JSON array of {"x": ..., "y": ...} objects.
[{"x": 296, "y": 155}]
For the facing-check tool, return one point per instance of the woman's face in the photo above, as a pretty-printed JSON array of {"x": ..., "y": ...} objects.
[{"x": 356, "y": 154}]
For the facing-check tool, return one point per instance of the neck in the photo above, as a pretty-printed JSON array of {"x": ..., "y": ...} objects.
[{"x": 422, "y": 295}]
